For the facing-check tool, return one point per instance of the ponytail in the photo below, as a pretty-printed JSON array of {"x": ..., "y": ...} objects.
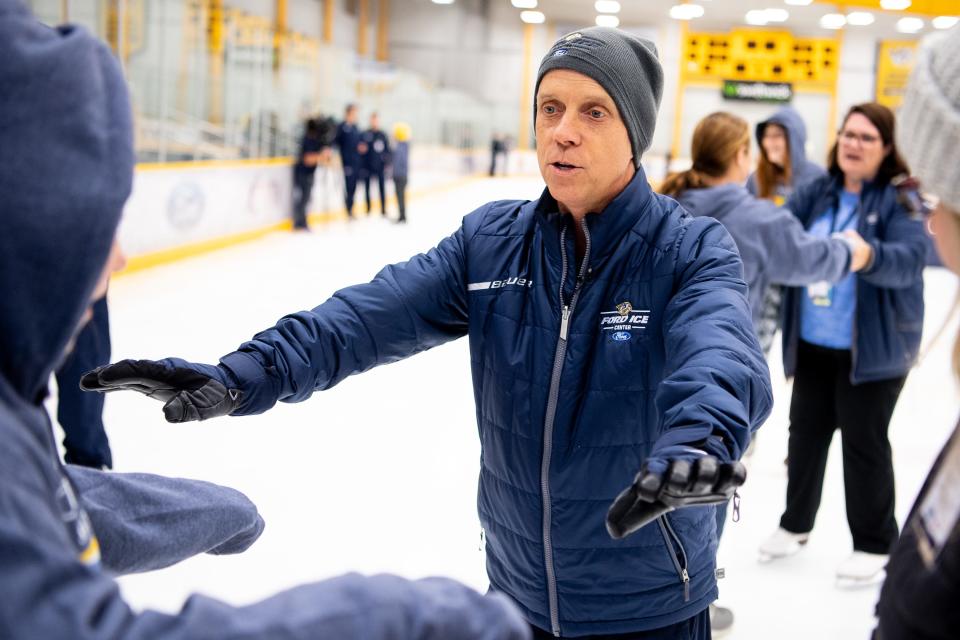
[{"x": 676, "y": 183}]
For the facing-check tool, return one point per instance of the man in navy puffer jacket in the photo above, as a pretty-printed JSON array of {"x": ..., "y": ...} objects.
[{"x": 609, "y": 332}]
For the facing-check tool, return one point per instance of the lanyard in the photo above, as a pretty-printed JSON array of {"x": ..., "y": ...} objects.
[{"x": 836, "y": 213}]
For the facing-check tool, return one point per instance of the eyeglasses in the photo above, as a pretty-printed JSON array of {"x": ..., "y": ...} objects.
[{"x": 863, "y": 139}]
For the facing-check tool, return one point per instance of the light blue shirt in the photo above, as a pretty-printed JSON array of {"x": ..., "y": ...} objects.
[{"x": 826, "y": 311}]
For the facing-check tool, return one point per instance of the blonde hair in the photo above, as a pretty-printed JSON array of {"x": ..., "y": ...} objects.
[{"x": 716, "y": 142}]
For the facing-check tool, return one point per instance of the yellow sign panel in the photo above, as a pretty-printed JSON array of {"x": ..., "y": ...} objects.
[
  {"x": 895, "y": 60},
  {"x": 760, "y": 56},
  {"x": 920, "y": 7}
]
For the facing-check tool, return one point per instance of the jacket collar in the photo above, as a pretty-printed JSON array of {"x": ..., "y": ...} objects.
[{"x": 606, "y": 228}]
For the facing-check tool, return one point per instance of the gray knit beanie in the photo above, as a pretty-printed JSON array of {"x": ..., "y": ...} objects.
[
  {"x": 928, "y": 130},
  {"x": 624, "y": 65}
]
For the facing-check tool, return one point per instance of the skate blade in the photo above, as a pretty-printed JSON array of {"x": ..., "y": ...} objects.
[{"x": 848, "y": 583}]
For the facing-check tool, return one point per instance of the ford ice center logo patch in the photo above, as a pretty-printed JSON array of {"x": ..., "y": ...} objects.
[
  {"x": 624, "y": 320},
  {"x": 621, "y": 336}
]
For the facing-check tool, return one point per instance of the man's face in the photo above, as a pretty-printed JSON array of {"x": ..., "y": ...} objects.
[
  {"x": 582, "y": 144},
  {"x": 351, "y": 115},
  {"x": 374, "y": 122}
]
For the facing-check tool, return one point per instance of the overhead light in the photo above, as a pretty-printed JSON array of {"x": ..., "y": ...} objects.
[
  {"x": 833, "y": 21},
  {"x": 686, "y": 11},
  {"x": 909, "y": 25},
  {"x": 860, "y": 18},
  {"x": 777, "y": 15},
  {"x": 532, "y": 17},
  {"x": 798, "y": 3},
  {"x": 756, "y": 17},
  {"x": 607, "y": 6},
  {"x": 945, "y": 22},
  {"x": 524, "y": 4},
  {"x": 606, "y": 20},
  {"x": 895, "y": 5},
  {"x": 442, "y": 1}
]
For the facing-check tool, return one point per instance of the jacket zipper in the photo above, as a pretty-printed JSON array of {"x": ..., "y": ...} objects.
[
  {"x": 566, "y": 311},
  {"x": 673, "y": 543}
]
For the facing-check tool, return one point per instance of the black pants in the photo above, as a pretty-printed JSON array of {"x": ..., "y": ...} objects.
[
  {"x": 350, "y": 175},
  {"x": 694, "y": 628},
  {"x": 380, "y": 185},
  {"x": 80, "y": 413},
  {"x": 400, "y": 186},
  {"x": 302, "y": 187},
  {"x": 823, "y": 399}
]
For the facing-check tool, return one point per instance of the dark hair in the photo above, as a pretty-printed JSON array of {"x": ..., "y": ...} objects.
[
  {"x": 883, "y": 119},
  {"x": 769, "y": 175},
  {"x": 716, "y": 141},
  {"x": 350, "y": 107}
]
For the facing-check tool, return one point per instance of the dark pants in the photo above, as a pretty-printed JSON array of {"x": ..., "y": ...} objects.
[
  {"x": 823, "y": 399},
  {"x": 400, "y": 186},
  {"x": 350, "y": 175},
  {"x": 80, "y": 413},
  {"x": 380, "y": 186},
  {"x": 695, "y": 628},
  {"x": 302, "y": 187}
]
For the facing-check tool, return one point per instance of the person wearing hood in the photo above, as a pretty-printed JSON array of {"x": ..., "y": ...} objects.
[
  {"x": 783, "y": 166},
  {"x": 66, "y": 169},
  {"x": 920, "y": 594},
  {"x": 611, "y": 346},
  {"x": 773, "y": 244},
  {"x": 853, "y": 342}
]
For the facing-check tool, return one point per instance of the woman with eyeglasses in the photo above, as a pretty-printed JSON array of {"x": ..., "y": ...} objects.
[{"x": 850, "y": 344}]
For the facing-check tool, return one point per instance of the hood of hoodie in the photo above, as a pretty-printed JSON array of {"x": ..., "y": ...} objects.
[
  {"x": 796, "y": 130},
  {"x": 66, "y": 169},
  {"x": 716, "y": 202}
]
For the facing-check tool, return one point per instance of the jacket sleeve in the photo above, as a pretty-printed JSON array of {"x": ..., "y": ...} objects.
[
  {"x": 716, "y": 388},
  {"x": 899, "y": 258},
  {"x": 49, "y": 594},
  {"x": 145, "y": 522},
  {"x": 796, "y": 258},
  {"x": 407, "y": 308}
]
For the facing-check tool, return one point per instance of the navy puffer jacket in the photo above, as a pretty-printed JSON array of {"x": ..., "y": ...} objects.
[
  {"x": 888, "y": 320},
  {"x": 657, "y": 349}
]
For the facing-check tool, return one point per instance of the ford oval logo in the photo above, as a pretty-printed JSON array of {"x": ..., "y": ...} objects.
[{"x": 621, "y": 336}]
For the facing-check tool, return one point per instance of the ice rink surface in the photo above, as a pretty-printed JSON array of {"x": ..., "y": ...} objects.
[{"x": 379, "y": 474}]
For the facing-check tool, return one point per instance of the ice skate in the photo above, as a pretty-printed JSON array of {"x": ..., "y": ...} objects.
[
  {"x": 721, "y": 621},
  {"x": 862, "y": 569},
  {"x": 781, "y": 544}
]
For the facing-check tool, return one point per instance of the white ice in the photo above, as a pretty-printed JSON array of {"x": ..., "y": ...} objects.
[{"x": 379, "y": 473}]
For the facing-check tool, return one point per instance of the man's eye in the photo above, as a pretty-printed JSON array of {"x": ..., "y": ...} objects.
[
  {"x": 549, "y": 109},
  {"x": 596, "y": 113}
]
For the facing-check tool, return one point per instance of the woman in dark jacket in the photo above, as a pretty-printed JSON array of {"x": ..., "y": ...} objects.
[
  {"x": 850, "y": 344},
  {"x": 920, "y": 596}
]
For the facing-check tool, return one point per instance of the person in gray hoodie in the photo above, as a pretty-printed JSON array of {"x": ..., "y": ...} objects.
[
  {"x": 773, "y": 245},
  {"x": 66, "y": 169},
  {"x": 782, "y": 167}
]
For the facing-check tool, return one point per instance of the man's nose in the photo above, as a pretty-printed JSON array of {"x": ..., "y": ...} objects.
[{"x": 567, "y": 131}]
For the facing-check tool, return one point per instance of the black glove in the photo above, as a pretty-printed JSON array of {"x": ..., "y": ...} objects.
[
  {"x": 187, "y": 394},
  {"x": 665, "y": 485}
]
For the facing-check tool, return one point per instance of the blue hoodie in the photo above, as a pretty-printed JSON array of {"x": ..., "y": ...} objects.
[
  {"x": 66, "y": 166},
  {"x": 773, "y": 244},
  {"x": 803, "y": 171}
]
